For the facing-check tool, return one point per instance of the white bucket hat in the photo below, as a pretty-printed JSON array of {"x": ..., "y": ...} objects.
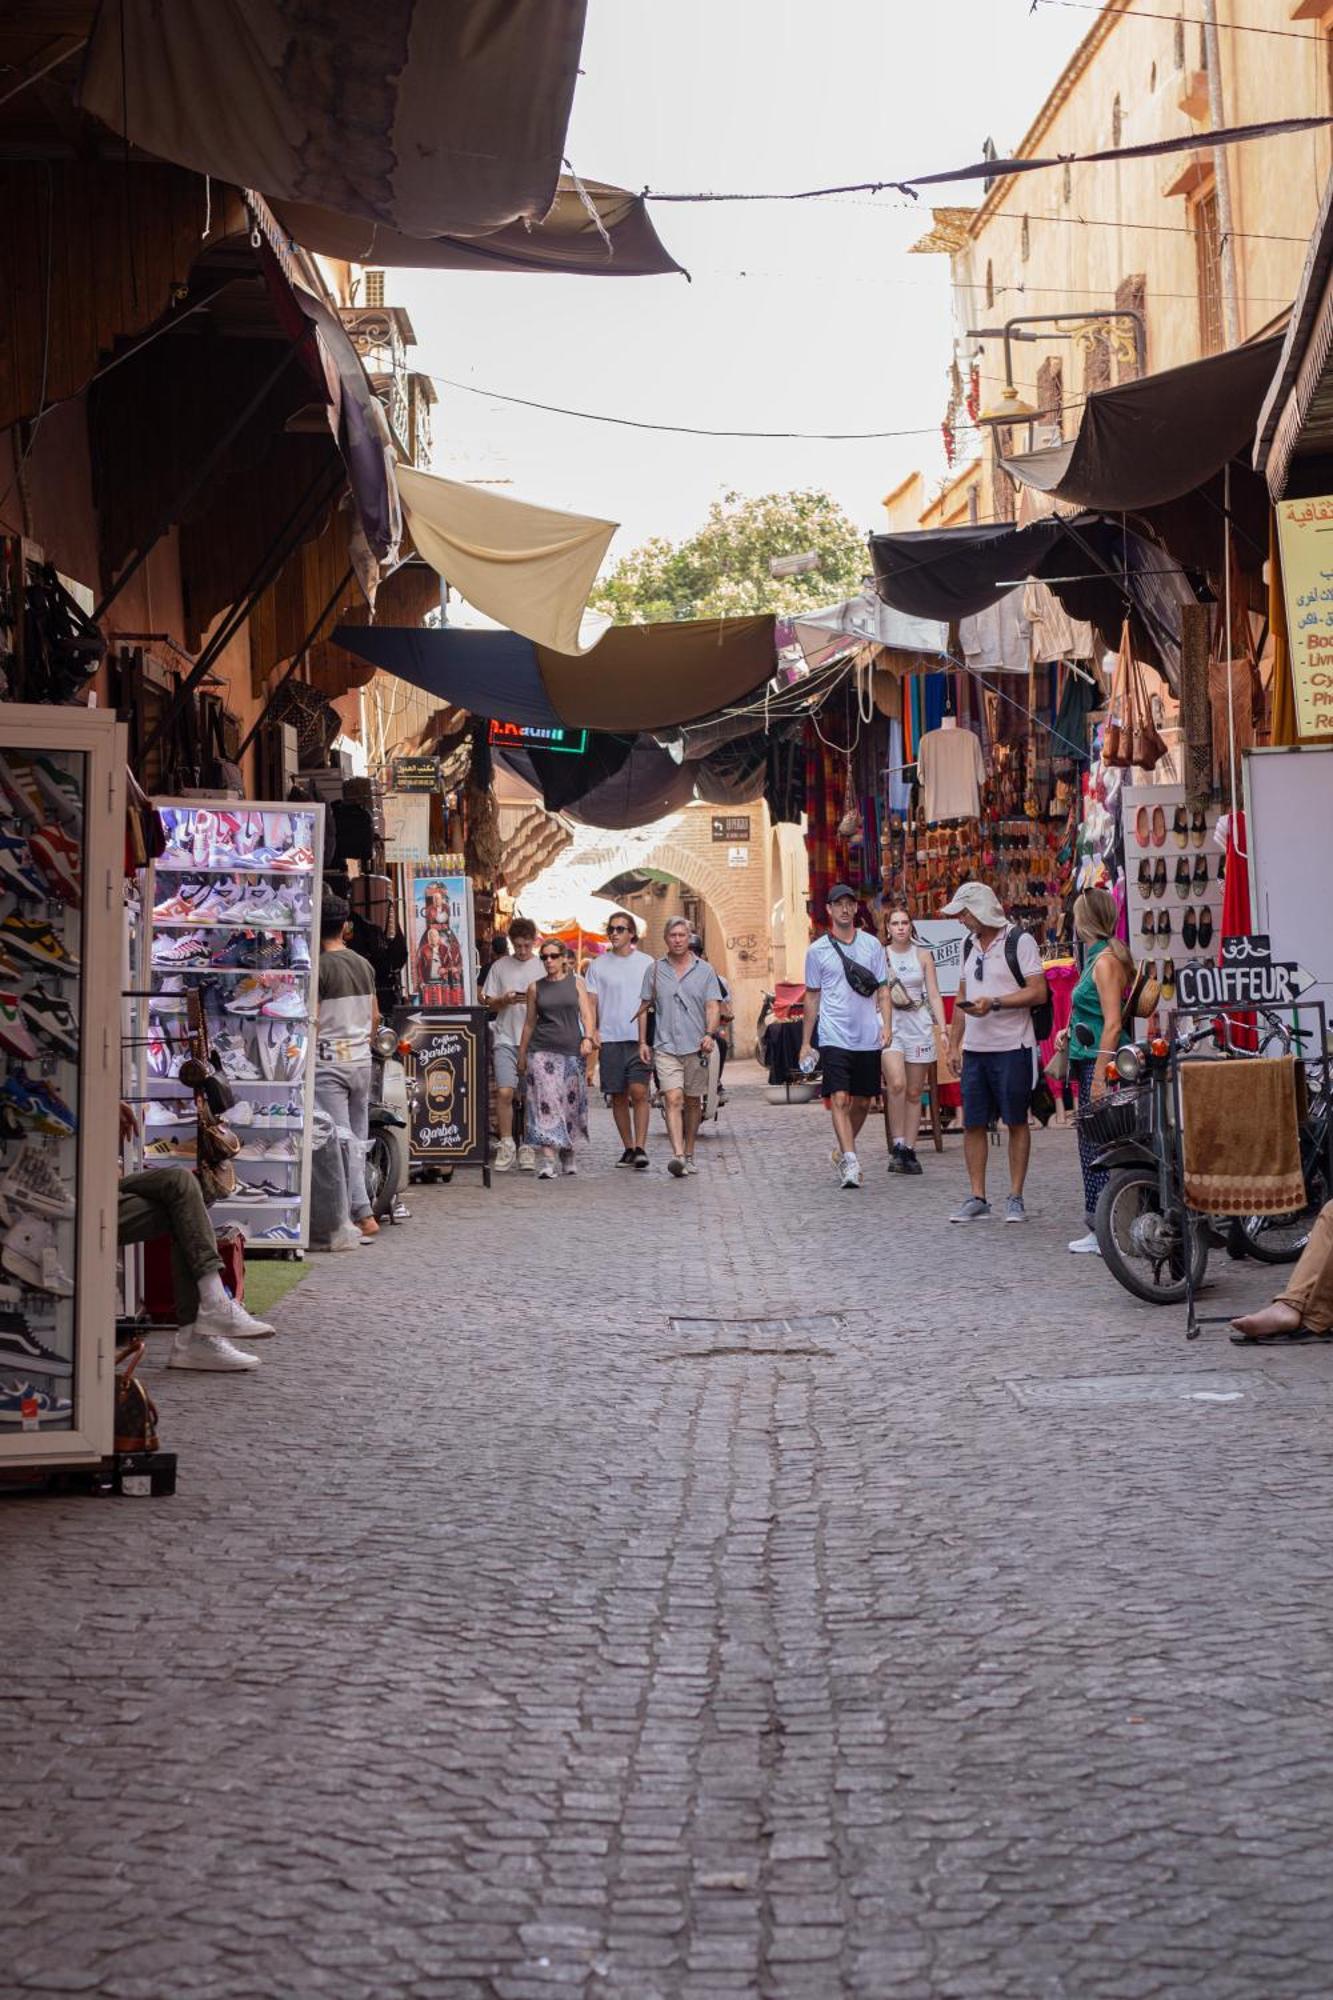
[{"x": 980, "y": 901}]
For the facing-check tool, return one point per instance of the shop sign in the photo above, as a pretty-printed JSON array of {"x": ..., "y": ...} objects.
[
  {"x": 406, "y": 826},
  {"x": 416, "y": 774},
  {"x": 729, "y": 827},
  {"x": 1305, "y": 538},
  {"x": 448, "y": 1085},
  {"x": 738, "y": 857},
  {"x": 532, "y": 736},
  {"x": 945, "y": 940},
  {"x": 1247, "y": 977}
]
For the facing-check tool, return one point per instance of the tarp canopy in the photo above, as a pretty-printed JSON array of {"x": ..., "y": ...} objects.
[
  {"x": 529, "y": 567},
  {"x": 568, "y": 240},
  {"x": 429, "y": 119},
  {"x": 869, "y": 619},
  {"x": 636, "y": 677},
  {"x": 1159, "y": 438},
  {"x": 647, "y": 785},
  {"x": 1098, "y": 570}
]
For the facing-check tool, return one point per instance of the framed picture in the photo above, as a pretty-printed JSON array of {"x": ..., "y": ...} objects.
[{"x": 442, "y": 957}]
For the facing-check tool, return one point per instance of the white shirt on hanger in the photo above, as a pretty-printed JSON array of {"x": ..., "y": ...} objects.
[{"x": 952, "y": 771}]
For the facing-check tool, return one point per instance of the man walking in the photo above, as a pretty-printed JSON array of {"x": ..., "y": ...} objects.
[
  {"x": 847, "y": 996},
  {"x": 615, "y": 981},
  {"x": 685, "y": 998},
  {"x": 506, "y": 994},
  {"x": 1001, "y": 982},
  {"x": 348, "y": 1017}
]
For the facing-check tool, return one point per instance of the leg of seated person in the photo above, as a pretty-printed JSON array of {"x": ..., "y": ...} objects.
[{"x": 168, "y": 1201}]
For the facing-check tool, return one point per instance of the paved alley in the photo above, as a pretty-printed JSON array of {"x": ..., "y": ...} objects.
[{"x": 677, "y": 1591}]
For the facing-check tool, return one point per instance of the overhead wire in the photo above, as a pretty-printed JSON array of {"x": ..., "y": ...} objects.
[{"x": 1176, "y": 20}]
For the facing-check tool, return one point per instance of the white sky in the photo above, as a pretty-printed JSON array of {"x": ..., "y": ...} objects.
[{"x": 805, "y": 316}]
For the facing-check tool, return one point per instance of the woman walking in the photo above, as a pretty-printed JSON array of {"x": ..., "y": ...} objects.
[
  {"x": 1096, "y": 1030},
  {"x": 918, "y": 1012},
  {"x": 558, "y": 1041}
]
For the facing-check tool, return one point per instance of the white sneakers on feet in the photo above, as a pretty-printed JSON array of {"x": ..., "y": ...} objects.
[
  {"x": 505, "y": 1156},
  {"x": 346, "y": 1237},
  {"x": 850, "y": 1172},
  {"x": 233, "y": 1322},
  {"x": 196, "y": 1347},
  {"x": 1086, "y": 1246},
  {"x": 527, "y": 1159}
]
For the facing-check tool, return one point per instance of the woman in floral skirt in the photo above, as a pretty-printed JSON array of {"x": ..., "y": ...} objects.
[{"x": 558, "y": 1041}]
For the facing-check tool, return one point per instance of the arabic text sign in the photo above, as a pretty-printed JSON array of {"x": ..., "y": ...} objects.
[{"x": 1305, "y": 535}]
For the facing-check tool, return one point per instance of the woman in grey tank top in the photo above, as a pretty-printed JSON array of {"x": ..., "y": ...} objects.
[{"x": 554, "y": 1050}]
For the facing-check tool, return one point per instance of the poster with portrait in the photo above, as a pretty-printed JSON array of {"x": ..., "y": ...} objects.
[{"x": 442, "y": 958}]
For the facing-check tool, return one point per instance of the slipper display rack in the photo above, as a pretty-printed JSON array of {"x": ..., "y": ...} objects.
[{"x": 231, "y": 911}]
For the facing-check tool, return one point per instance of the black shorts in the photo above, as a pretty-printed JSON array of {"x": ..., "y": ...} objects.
[
  {"x": 619, "y": 1066},
  {"x": 855, "y": 1071}
]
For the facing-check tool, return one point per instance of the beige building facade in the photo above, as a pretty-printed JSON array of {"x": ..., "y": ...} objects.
[{"x": 1132, "y": 237}]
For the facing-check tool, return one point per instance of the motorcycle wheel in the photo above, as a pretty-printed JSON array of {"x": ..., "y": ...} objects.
[
  {"x": 1280, "y": 1239},
  {"x": 1140, "y": 1245},
  {"x": 381, "y": 1175}
]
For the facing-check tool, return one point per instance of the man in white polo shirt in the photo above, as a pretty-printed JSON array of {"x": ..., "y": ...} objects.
[{"x": 992, "y": 1025}]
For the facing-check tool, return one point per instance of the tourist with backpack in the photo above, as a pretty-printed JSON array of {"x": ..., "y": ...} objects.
[{"x": 1001, "y": 1015}]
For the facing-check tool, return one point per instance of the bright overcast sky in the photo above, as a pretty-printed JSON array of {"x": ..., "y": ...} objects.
[{"x": 801, "y": 316}]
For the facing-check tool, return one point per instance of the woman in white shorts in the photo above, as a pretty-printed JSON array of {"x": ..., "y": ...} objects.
[{"x": 918, "y": 1011}]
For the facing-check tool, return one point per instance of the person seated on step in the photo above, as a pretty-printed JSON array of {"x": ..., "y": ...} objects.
[
  {"x": 168, "y": 1201},
  {"x": 1305, "y": 1303}
]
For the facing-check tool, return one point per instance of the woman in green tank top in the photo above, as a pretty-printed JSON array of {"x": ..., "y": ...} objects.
[{"x": 1097, "y": 1027}]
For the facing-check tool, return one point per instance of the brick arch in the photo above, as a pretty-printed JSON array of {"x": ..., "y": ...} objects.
[{"x": 720, "y": 889}]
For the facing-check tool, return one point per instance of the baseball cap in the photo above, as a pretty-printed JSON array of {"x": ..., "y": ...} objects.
[{"x": 842, "y": 889}]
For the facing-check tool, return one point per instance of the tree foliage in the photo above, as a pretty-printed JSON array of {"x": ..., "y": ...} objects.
[{"x": 722, "y": 570}]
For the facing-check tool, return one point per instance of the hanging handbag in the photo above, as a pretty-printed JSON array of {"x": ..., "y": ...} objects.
[
  {"x": 1147, "y": 746},
  {"x": 1115, "y": 740},
  {"x": 135, "y": 1420}
]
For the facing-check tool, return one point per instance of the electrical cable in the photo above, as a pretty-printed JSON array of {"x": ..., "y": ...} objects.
[{"x": 1176, "y": 20}]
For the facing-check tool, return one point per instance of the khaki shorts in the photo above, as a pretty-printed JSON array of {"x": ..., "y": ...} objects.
[{"x": 687, "y": 1073}]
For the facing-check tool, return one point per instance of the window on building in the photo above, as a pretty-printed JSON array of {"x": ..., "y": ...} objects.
[
  {"x": 1208, "y": 266},
  {"x": 1025, "y": 240},
  {"x": 374, "y": 288},
  {"x": 1117, "y": 122},
  {"x": 990, "y": 283}
]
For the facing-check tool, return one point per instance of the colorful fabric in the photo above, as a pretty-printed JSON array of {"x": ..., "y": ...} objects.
[{"x": 557, "y": 1101}]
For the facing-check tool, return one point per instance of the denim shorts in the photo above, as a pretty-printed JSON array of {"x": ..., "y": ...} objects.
[{"x": 997, "y": 1084}]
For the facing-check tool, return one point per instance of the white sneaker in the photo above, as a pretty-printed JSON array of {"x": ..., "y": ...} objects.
[
  {"x": 233, "y": 1322},
  {"x": 347, "y": 1237},
  {"x": 1086, "y": 1246},
  {"x": 527, "y": 1159},
  {"x": 546, "y": 1172},
  {"x": 851, "y": 1172},
  {"x": 195, "y": 1347},
  {"x": 506, "y": 1154},
  {"x": 690, "y": 1167}
]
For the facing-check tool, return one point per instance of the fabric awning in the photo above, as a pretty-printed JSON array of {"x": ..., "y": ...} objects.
[
  {"x": 429, "y": 119},
  {"x": 1297, "y": 418},
  {"x": 567, "y": 240},
  {"x": 529, "y": 567},
  {"x": 638, "y": 677},
  {"x": 1154, "y": 440},
  {"x": 869, "y": 619}
]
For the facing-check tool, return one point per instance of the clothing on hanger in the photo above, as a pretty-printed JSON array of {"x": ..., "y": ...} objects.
[{"x": 952, "y": 772}]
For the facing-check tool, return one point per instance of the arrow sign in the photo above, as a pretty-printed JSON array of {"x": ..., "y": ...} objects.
[{"x": 1260, "y": 983}]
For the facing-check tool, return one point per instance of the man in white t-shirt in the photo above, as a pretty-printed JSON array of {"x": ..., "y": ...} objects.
[
  {"x": 853, "y": 1027},
  {"x": 506, "y": 994},
  {"x": 992, "y": 1026},
  {"x": 615, "y": 981}
]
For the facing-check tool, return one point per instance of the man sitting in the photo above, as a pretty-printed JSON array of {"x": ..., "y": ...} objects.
[{"x": 1305, "y": 1304}]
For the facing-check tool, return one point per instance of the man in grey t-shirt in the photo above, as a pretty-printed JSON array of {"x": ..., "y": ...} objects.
[
  {"x": 348, "y": 1016},
  {"x": 684, "y": 995}
]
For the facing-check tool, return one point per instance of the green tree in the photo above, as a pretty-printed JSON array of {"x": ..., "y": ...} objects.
[{"x": 723, "y": 570}]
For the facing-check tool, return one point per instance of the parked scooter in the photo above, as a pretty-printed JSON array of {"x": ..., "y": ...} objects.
[
  {"x": 1145, "y": 1232},
  {"x": 387, "y": 1156}
]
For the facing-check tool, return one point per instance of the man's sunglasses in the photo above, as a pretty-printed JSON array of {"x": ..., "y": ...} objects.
[{"x": 616, "y": 930}]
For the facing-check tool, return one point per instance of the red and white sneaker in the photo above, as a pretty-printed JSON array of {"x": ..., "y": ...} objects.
[{"x": 59, "y": 861}]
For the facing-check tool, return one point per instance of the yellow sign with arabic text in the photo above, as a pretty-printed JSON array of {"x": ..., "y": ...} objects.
[{"x": 1305, "y": 537}]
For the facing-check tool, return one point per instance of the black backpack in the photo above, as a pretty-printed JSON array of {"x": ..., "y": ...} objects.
[{"x": 1043, "y": 1014}]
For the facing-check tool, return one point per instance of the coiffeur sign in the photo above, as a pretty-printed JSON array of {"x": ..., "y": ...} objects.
[{"x": 1305, "y": 537}]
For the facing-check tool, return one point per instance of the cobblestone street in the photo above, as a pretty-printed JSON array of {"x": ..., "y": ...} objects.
[{"x": 632, "y": 1588}]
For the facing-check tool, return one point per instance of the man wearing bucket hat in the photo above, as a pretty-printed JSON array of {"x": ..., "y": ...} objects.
[{"x": 1001, "y": 982}]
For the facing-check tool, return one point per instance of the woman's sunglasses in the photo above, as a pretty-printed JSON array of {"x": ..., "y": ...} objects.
[{"x": 551, "y": 957}]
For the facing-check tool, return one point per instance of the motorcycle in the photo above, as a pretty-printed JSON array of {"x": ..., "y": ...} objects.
[
  {"x": 1149, "y": 1240},
  {"x": 386, "y": 1155}
]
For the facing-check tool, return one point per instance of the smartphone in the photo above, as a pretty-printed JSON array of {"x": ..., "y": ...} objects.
[{"x": 966, "y": 1006}]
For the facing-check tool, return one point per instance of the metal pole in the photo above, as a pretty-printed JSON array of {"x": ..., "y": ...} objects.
[{"x": 1222, "y": 174}]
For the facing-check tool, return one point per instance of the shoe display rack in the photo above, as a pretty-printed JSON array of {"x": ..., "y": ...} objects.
[
  {"x": 1173, "y": 882},
  {"x": 62, "y": 833},
  {"x": 232, "y": 913}
]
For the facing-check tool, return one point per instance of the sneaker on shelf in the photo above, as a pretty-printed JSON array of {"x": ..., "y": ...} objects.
[
  {"x": 202, "y": 838},
  {"x": 37, "y": 944},
  {"x": 21, "y": 1353},
  {"x": 19, "y": 787},
  {"x": 281, "y": 1232},
  {"x": 233, "y": 1322},
  {"x": 248, "y": 996},
  {"x": 161, "y": 1111},
  {"x": 160, "y": 1152},
  {"x": 248, "y": 836},
  {"x": 286, "y": 1004},
  {"x": 189, "y": 948},
  {"x": 196, "y": 1347},
  {"x": 157, "y": 1056},
  {"x": 295, "y": 858},
  {"x": 58, "y": 860},
  {"x": 527, "y": 1159},
  {"x": 52, "y": 1020},
  {"x": 24, "y": 1403},
  {"x": 30, "y": 1256},
  {"x": 17, "y": 872},
  {"x": 241, "y": 1113},
  {"x": 16, "y": 1093},
  {"x": 218, "y": 904},
  {"x": 233, "y": 1058},
  {"x": 274, "y": 1192},
  {"x": 14, "y": 1037},
  {"x": 61, "y": 791},
  {"x": 300, "y": 949},
  {"x": 50, "y": 1111},
  {"x": 181, "y": 904},
  {"x": 33, "y": 1183}
]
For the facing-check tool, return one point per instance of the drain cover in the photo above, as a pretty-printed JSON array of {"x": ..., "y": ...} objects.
[
  {"x": 1078, "y": 1391},
  {"x": 801, "y": 1335}
]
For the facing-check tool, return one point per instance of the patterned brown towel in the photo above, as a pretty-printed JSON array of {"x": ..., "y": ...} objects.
[{"x": 1242, "y": 1147}]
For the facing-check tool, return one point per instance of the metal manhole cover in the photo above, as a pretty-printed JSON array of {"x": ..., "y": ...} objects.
[
  {"x": 1080, "y": 1391},
  {"x": 797, "y": 1336}
]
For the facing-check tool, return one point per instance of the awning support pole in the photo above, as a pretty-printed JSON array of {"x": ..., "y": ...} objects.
[{"x": 194, "y": 486}]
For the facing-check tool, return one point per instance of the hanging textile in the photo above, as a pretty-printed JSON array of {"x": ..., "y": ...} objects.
[
  {"x": 898, "y": 790},
  {"x": 1236, "y": 917},
  {"x": 829, "y": 856}
]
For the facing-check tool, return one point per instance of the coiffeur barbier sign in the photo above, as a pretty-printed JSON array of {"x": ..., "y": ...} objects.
[{"x": 1305, "y": 537}]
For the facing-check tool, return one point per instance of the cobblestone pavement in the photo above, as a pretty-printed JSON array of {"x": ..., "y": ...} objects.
[{"x": 676, "y": 1591}]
